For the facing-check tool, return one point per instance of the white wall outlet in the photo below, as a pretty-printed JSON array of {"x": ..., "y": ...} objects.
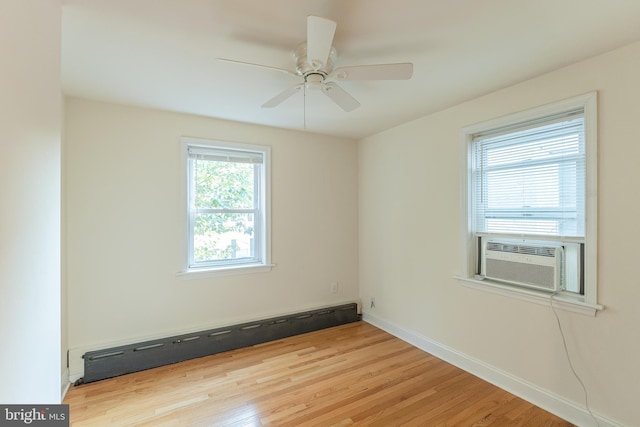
[{"x": 334, "y": 288}]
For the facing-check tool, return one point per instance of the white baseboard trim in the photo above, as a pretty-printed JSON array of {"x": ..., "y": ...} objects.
[
  {"x": 74, "y": 378},
  {"x": 545, "y": 399}
]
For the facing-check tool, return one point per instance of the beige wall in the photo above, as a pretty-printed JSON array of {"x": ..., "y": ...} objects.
[
  {"x": 409, "y": 179},
  {"x": 30, "y": 111},
  {"x": 123, "y": 228}
]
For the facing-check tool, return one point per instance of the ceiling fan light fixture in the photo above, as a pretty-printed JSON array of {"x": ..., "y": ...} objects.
[
  {"x": 314, "y": 81},
  {"x": 314, "y": 78}
]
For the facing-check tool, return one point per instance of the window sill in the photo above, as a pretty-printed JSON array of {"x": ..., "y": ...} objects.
[
  {"x": 204, "y": 273},
  {"x": 560, "y": 301}
]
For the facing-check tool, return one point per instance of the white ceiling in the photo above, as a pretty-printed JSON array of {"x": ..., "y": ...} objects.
[{"x": 162, "y": 53}]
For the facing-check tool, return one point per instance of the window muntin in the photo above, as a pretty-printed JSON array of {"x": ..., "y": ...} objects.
[{"x": 226, "y": 206}]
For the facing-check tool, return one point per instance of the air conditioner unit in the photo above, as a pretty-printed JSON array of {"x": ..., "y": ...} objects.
[{"x": 528, "y": 265}]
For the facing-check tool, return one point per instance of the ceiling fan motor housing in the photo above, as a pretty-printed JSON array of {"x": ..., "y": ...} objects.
[{"x": 310, "y": 69}]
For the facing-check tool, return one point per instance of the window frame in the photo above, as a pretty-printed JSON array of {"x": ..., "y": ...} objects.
[
  {"x": 262, "y": 249},
  {"x": 584, "y": 304}
]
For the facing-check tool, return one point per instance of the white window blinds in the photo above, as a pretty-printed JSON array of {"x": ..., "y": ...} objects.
[
  {"x": 225, "y": 155},
  {"x": 530, "y": 178}
]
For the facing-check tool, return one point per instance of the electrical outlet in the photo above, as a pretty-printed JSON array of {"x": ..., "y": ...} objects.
[
  {"x": 373, "y": 302},
  {"x": 334, "y": 288}
]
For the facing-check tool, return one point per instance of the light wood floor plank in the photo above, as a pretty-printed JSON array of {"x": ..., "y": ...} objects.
[{"x": 354, "y": 374}]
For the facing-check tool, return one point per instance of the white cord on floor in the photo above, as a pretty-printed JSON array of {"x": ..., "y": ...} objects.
[{"x": 566, "y": 352}]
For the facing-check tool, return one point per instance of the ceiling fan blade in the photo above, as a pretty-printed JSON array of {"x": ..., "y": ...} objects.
[
  {"x": 340, "y": 96},
  {"x": 282, "y": 96},
  {"x": 282, "y": 70},
  {"x": 320, "y": 32},
  {"x": 400, "y": 71}
]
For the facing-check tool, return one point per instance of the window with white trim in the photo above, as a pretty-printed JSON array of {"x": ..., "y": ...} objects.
[
  {"x": 530, "y": 203},
  {"x": 227, "y": 205}
]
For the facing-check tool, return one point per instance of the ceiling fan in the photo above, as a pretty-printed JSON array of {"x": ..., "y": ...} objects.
[{"x": 315, "y": 60}]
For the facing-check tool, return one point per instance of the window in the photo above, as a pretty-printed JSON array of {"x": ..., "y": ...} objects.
[
  {"x": 227, "y": 209},
  {"x": 530, "y": 217}
]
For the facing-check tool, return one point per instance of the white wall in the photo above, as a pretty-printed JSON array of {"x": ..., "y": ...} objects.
[
  {"x": 123, "y": 227},
  {"x": 409, "y": 182},
  {"x": 30, "y": 115}
]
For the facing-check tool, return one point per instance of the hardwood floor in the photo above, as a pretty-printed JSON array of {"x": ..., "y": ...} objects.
[{"x": 354, "y": 374}]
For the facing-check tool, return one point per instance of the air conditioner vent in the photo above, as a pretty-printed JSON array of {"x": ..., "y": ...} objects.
[
  {"x": 527, "y": 265},
  {"x": 522, "y": 249}
]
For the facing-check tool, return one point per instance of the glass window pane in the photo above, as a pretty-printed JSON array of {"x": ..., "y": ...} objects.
[
  {"x": 528, "y": 226},
  {"x": 524, "y": 188},
  {"x": 531, "y": 181},
  {"x": 224, "y": 236},
  {"x": 223, "y": 185}
]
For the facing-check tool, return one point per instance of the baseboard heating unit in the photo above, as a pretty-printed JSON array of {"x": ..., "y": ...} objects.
[{"x": 115, "y": 361}]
